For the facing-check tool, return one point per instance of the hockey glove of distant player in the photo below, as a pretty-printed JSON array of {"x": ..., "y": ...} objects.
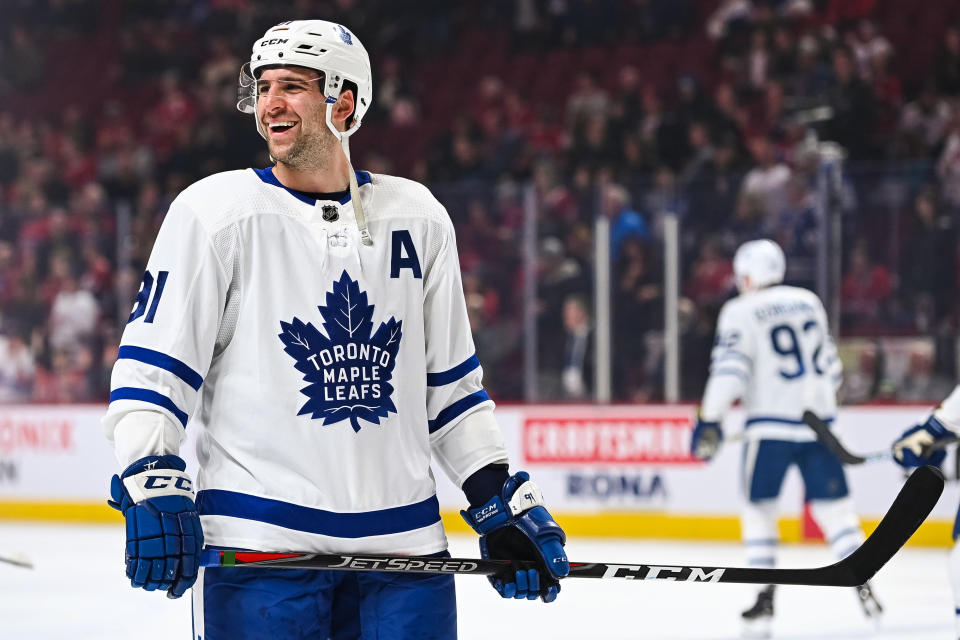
[
  {"x": 706, "y": 440},
  {"x": 164, "y": 536},
  {"x": 515, "y": 526},
  {"x": 910, "y": 449}
]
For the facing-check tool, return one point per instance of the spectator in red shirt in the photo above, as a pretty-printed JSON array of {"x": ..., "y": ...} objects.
[
  {"x": 711, "y": 277},
  {"x": 174, "y": 112},
  {"x": 865, "y": 290}
]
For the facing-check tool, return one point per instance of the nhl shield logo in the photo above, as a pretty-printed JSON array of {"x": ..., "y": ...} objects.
[
  {"x": 329, "y": 213},
  {"x": 349, "y": 369}
]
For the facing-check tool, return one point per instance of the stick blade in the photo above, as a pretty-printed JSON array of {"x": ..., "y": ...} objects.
[
  {"x": 910, "y": 508},
  {"x": 827, "y": 438}
]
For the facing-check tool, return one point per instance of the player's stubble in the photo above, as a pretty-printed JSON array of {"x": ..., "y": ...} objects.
[{"x": 313, "y": 148}]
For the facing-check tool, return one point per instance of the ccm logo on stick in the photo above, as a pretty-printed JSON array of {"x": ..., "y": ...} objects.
[{"x": 653, "y": 572}]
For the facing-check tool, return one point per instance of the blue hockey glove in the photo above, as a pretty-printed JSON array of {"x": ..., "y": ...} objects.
[
  {"x": 706, "y": 440},
  {"x": 911, "y": 448},
  {"x": 515, "y": 526},
  {"x": 164, "y": 536}
]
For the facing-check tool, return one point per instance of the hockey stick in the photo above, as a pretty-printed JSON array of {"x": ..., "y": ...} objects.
[
  {"x": 17, "y": 560},
  {"x": 914, "y": 502},
  {"x": 828, "y": 438}
]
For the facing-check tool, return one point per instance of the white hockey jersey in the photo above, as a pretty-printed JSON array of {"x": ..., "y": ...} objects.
[
  {"x": 773, "y": 349},
  {"x": 948, "y": 412},
  {"x": 318, "y": 372}
]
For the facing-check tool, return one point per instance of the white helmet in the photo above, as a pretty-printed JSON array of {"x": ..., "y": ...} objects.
[
  {"x": 324, "y": 46},
  {"x": 760, "y": 260}
]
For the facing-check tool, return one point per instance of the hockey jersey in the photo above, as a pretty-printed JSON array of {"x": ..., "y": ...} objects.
[
  {"x": 948, "y": 412},
  {"x": 318, "y": 372},
  {"x": 773, "y": 349}
]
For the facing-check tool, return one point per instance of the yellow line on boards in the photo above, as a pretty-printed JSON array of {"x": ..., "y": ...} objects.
[
  {"x": 59, "y": 512},
  {"x": 617, "y": 524}
]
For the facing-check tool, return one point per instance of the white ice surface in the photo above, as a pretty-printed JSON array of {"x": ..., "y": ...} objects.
[{"x": 78, "y": 591}]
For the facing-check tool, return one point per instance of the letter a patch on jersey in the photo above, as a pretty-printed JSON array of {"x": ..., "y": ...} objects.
[{"x": 348, "y": 369}]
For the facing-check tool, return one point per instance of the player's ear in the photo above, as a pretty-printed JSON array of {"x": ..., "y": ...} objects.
[{"x": 344, "y": 108}]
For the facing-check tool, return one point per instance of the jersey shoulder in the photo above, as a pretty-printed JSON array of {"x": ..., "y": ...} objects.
[
  {"x": 221, "y": 198},
  {"x": 784, "y": 292},
  {"x": 395, "y": 197},
  {"x": 737, "y": 309}
]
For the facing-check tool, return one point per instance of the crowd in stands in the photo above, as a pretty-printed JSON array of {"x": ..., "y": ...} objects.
[{"x": 631, "y": 109}]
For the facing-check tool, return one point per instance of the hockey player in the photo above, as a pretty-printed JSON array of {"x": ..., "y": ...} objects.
[
  {"x": 909, "y": 451},
  {"x": 307, "y": 321},
  {"x": 773, "y": 350}
]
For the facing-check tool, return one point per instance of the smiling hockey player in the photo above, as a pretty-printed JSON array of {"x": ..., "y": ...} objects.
[{"x": 308, "y": 322}]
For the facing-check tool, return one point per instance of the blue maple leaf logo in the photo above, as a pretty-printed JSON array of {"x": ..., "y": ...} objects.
[
  {"x": 348, "y": 369},
  {"x": 345, "y": 35}
]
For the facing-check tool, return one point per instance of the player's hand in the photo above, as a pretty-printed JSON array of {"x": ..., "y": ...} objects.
[
  {"x": 164, "y": 536},
  {"x": 706, "y": 440},
  {"x": 515, "y": 526},
  {"x": 911, "y": 449}
]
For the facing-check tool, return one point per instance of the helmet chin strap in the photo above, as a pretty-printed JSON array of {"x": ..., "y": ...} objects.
[{"x": 344, "y": 138}]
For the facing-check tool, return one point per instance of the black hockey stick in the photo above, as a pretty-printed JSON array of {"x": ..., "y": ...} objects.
[
  {"x": 828, "y": 438},
  {"x": 914, "y": 502}
]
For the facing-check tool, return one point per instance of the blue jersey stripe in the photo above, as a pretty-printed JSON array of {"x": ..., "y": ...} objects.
[
  {"x": 457, "y": 408},
  {"x": 162, "y": 360},
  {"x": 846, "y": 532},
  {"x": 849, "y": 550},
  {"x": 765, "y": 561},
  {"x": 147, "y": 395},
  {"x": 219, "y": 502},
  {"x": 757, "y": 419},
  {"x": 267, "y": 176},
  {"x": 454, "y": 374}
]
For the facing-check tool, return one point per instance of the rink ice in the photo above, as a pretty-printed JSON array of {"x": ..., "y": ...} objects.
[{"x": 78, "y": 591}]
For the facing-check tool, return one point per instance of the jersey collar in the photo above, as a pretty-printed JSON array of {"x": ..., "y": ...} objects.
[{"x": 267, "y": 176}]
